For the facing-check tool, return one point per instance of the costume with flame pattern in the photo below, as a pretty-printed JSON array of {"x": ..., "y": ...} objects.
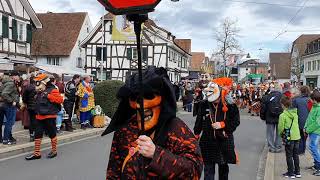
[
  {"x": 177, "y": 153},
  {"x": 217, "y": 119}
]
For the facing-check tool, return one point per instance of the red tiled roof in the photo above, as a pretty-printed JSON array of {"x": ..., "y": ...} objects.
[
  {"x": 280, "y": 64},
  {"x": 197, "y": 60},
  {"x": 184, "y": 44},
  {"x": 58, "y": 35}
]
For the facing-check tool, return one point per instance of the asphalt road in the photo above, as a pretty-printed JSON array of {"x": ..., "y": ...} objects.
[{"x": 87, "y": 159}]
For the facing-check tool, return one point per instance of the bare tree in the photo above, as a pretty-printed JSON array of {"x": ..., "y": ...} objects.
[{"x": 227, "y": 43}]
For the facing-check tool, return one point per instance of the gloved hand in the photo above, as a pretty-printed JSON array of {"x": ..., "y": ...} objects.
[{"x": 218, "y": 125}]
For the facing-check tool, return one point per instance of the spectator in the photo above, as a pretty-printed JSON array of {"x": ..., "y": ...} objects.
[
  {"x": 301, "y": 103},
  {"x": 86, "y": 102},
  {"x": 2, "y": 105},
  {"x": 189, "y": 97},
  {"x": 312, "y": 128},
  {"x": 287, "y": 90},
  {"x": 29, "y": 100},
  {"x": 270, "y": 110},
  {"x": 289, "y": 126},
  {"x": 10, "y": 96},
  {"x": 56, "y": 81},
  {"x": 176, "y": 91},
  {"x": 70, "y": 99}
]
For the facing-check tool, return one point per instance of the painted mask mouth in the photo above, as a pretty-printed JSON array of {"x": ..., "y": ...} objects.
[{"x": 148, "y": 114}]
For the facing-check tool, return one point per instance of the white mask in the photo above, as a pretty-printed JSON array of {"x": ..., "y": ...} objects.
[{"x": 212, "y": 92}]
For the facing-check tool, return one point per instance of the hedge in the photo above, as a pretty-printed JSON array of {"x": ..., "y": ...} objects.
[{"x": 105, "y": 95}]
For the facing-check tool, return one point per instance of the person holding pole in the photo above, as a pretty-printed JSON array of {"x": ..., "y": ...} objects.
[{"x": 70, "y": 99}]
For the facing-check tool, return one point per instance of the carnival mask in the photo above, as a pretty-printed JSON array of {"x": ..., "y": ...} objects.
[
  {"x": 151, "y": 111},
  {"x": 212, "y": 92},
  {"x": 41, "y": 82}
]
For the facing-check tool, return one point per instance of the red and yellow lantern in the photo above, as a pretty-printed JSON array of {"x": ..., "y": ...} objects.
[{"x": 120, "y": 7}]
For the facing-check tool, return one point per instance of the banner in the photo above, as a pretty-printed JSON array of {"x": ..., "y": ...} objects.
[{"x": 122, "y": 29}]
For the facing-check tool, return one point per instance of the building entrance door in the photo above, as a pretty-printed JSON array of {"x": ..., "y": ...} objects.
[{"x": 312, "y": 83}]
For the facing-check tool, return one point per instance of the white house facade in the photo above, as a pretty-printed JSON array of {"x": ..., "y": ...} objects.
[
  {"x": 18, "y": 20},
  {"x": 56, "y": 47},
  {"x": 120, "y": 57},
  {"x": 311, "y": 72}
]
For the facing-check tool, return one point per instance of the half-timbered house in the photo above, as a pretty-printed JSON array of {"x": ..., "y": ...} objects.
[
  {"x": 119, "y": 58},
  {"x": 18, "y": 20}
]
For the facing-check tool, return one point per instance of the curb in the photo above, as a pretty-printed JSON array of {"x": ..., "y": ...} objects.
[
  {"x": 46, "y": 142},
  {"x": 262, "y": 163},
  {"x": 270, "y": 163}
]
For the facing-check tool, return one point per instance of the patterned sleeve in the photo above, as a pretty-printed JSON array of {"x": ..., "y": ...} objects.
[
  {"x": 81, "y": 91},
  {"x": 114, "y": 165},
  {"x": 185, "y": 162}
]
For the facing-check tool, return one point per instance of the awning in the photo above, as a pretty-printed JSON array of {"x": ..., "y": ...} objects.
[
  {"x": 59, "y": 70},
  {"x": 5, "y": 64}
]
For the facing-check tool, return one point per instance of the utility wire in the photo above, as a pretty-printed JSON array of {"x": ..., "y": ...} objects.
[
  {"x": 292, "y": 19},
  {"x": 265, "y": 3}
]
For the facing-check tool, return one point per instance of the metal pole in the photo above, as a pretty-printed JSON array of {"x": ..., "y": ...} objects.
[{"x": 102, "y": 46}]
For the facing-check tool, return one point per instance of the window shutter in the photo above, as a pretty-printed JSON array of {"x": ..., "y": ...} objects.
[
  {"x": 5, "y": 26},
  {"x": 145, "y": 54},
  {"x": 14, "y": 29},
  {"x": 98, "y": 53},
  {"x": 129, "y": 53},
  {"x": 104, "y": 54},
  {"x": 29, "y": 33}
]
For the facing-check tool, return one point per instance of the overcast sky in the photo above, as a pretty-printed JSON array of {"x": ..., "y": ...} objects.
[{"x": 260, "y": 21}]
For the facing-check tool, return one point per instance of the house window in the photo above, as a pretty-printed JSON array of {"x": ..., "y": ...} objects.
[
  {"x": 134, "y": 53},
  {"x": 55, "y": 61},
  {"x": 314, "y": 65},
  {"x": 309, "y": 66},
  {"x": 318, "y": 65},
  {"x": 79, "y": 62},
  {"x": 21, "y": 31}
]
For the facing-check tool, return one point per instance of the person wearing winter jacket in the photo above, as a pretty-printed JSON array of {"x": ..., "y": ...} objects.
[
  {"x": 10, "y": 98},
  {"x": 48, "y": 104},
  {"x": 29, "y": 100},
  {"x": 269, "y": 112},
  {"x": 312, "y": 128},
  {"x": 301, "y": 103},
  {"x": 288, "y": 123}
]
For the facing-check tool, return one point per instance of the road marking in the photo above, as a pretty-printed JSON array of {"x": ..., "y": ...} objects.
[{"x": 66, "y": 143}]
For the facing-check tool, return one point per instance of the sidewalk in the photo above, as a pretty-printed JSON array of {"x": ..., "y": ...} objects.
[
  {"x": 276, "y": 165},
  {"x": 23, "y": 145}
]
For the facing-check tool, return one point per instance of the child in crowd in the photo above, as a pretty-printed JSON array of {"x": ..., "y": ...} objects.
[
  {"x": 289, "y": 130},
  {"x": 312, "y": 128}
]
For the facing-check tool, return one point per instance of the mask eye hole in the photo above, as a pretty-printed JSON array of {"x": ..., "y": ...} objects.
[{"x": 38, "y": 83}]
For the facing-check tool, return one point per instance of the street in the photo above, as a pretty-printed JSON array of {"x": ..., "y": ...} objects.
[{"x": 87, "y": 159}]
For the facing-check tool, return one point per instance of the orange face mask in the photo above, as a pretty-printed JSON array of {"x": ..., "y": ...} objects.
[{"x": 151, "y": 112}]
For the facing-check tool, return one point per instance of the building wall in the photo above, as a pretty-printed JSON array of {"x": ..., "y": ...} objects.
[
  {"x": 311, "y": 69},
  {"x": 117, "y": 63},
  {"x": 20, "y": 50}
]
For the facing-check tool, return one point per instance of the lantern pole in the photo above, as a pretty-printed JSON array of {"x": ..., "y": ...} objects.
[{"x": 138, "y": 19}]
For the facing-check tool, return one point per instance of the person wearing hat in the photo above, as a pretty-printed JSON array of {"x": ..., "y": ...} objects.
[
  {"x": 217, "y": 119},
  {"x": 48, "y": 104},
  {"x": 10, "y": 98},
  {"x": 167, "y": 149}
]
